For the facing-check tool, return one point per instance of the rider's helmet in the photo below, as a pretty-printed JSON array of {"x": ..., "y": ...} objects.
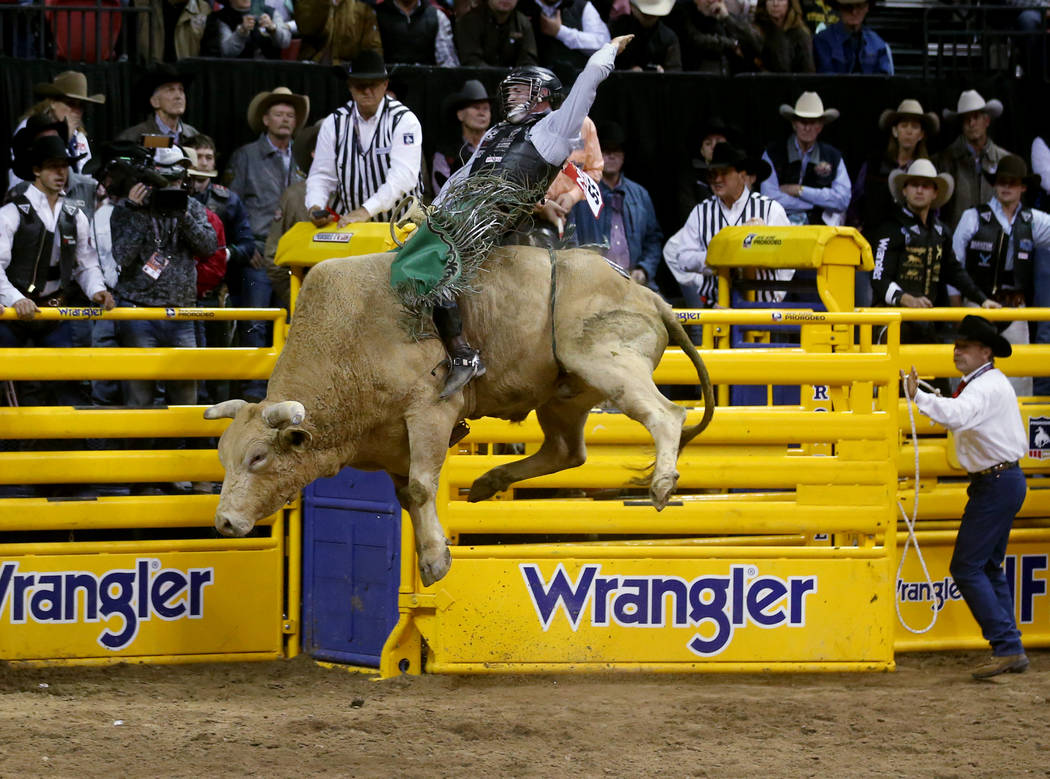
[{"x": 525, "y": 88}]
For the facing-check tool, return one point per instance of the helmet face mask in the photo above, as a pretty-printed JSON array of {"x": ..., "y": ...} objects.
[{"x": 524, "y": 89}]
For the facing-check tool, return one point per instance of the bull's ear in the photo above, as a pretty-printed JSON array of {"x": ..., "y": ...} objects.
[
  {"x": 226, "y": 410},
  {"x": 285, "y": 413},
  {"x": 295, "y": 438}
]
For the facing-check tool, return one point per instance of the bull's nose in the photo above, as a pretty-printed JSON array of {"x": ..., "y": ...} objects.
[{"x": 229, "y": 526}]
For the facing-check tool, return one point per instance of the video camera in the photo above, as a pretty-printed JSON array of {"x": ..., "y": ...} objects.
[{"x": 127, "y": 163}]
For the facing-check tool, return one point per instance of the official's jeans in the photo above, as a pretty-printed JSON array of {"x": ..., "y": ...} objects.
[
  {"x": 980, "y": 549},
  {"x": 256, "y": 292}
]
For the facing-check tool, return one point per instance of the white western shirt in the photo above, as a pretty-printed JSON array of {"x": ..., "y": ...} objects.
[
  {"x": 686, "y": 251},
  {"x": 985, "y": 419},
  {"x": 86, "y": 271}
]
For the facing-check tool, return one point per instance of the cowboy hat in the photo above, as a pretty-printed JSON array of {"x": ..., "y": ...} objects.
[
  {"x": 261, "y": 104},
  {"x": 1012, "y": 166},
  {"x": 910, "y": 109},
  {"x": 725, "y": 155},
  {"x": 809, "y": 106},
  {"x": 473, "y": 91},
  {"x": 611, "y": 136},
  {"x": 304, "y": 144},
  {"x": 42, "y": 149},
  {"x": 193, "y": 170},
  {"x": 368, "y": 65},
  {"x": 70, "y": 84},
  {"x": 158, "y": 75},
  {"x": 171, "y": 162},
  {"x": 925, "y": 170},
  {"x": 654, "y": 7},
  {"x": 979, "y": 329},
  {"x": 36, "y": 126},
  {"x": 970, "y": 101}
]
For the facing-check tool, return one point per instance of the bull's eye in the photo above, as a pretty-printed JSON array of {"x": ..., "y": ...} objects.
[{"x": 257, "y": 460}]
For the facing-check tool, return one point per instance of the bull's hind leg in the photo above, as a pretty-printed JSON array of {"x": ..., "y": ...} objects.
[
  {"x": 562, "y": 421},
  {"x": 428, "y": 435},
  {"x": 625, "y": 378}
]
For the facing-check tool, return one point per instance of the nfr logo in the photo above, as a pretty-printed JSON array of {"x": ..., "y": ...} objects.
[
  {"x": 748, "y": 240},
  {"x": 123, "y": 598},
  {"x": 1039, "y": 437},
  {"x": 715, "y": 606}
]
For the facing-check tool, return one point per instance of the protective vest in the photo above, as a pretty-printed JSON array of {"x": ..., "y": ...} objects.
[
  {"x": 987, "y": 249},
  {"x": 507, "y": 148},
  {"x": 552, "y": 52},
  {"x": 819, "y": 176},
  {"x": 30, "y": 269},
  {"x": 920, "y": 263},
  {"x": 408, "y": 38}
]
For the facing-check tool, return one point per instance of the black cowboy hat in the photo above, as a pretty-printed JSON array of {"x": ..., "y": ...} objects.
[
  {"x": 473, "y": 91},
  {"x": 157, "y": 76},
  {"x": 979, "y": 329},
  {"x": 611, "y": 136},
  {"x": 42, "y": 149},
  {"x": 757, "y": 167},
  {"x": 1013, "y": 167},
  {"x": 368, "y": 65},
  {"x": 37, "y": 126},
  {"x": 726, "y": 155}
]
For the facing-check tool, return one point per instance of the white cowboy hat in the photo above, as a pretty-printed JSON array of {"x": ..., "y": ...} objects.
[
  {"x": 261, "y": 104},
  {"x": 970, "y": 101},
  {"x": 809, "y": 106},
  {"x": 910, "y": 109},
  {"x": 654, "y": 7},
  {"x": 923, "y": 169}
]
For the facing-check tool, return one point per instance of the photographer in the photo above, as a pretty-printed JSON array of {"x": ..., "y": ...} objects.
[
  {"x": 157, "y": 232},
  {"x": 247, "y": 29}
]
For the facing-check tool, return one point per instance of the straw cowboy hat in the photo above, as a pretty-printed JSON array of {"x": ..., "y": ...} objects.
[
  {"x": 1014, "y": 167},
  {"x": 70, "y": 84},
  {"x": 910, "y": 109},
  {"x": 809, "y": 106},
  {"x": 193, "y": 170},
  {"x": 261, "y": 104},
  {"x": 654, "y": 7},
  {"x": 970, "y": 101},
  {"x": 925, "y": 170}
]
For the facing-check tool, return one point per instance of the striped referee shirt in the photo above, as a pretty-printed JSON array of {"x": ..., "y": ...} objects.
[
  {"x": 367, "y": 163},
  {"x": 686, "y": 251}
]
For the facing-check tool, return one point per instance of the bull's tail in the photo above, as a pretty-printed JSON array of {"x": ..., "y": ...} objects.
[{"x": 676, "y": 333}]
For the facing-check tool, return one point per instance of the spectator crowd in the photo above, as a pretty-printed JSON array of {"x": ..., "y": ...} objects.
[{"x": 160, "y": 217}]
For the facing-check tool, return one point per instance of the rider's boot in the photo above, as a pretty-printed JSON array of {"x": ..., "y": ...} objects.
[{"x": 464, "y": 360}]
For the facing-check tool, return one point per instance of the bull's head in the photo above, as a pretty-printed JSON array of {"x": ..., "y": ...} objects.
[{"x": 262, "y": 452}]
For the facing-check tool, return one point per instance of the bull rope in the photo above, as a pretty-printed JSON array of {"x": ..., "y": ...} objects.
[{"x": 911, "y": 539}]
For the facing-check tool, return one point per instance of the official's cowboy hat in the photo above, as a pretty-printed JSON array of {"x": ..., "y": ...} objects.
[
  {"x": 43, "y": 148},
  {"x": 305, "y": 143},
  {"x": 611, "y": 136},
  {"x": 970, "y": 101},
  {"x": 979, "y": 329},
  {"x": 925, "y": 170},
  {"x": 473, "y": 91},
  {"x": 193, "y": 170},
  {"x": 725, "y": 155},
  {"x": 654, "y": 7},
  {"x": 368, "y": 65},
  {"x": 1014, "y": 167},
  {"x": 809, "y": 106},
  {"x": 70, "y": 84},
  {"x": 910, "y": 109},
  {"x": 261, "y": 104}
]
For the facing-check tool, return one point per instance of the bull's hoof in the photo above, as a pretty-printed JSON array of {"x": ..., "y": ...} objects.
[
  {"x": 433, "y": 570},
  {"x": 487, "y": 485},
  {"x": 661, "y": 489}
]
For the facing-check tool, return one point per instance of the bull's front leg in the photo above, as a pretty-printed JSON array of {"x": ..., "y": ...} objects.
[{"x": 428, "y": 435}]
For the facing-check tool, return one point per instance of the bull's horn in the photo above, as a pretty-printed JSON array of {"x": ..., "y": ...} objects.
[
  {"x": 287, "y": 412},
  {"x": 226, "y": 410}
]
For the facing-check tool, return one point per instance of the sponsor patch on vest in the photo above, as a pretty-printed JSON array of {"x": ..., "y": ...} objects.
[
  {"x": 981, "y": 246},
  {"x": 1026, "y": 244},
  {"x": 986, "y": 216},
  {"x": 822, "y": 168},
  {"x": 71, "y": 210},
  {"x": 408, "y": 138},
  {"x": 23, "y": 207},
  {"x": 1039, "y": 437},
  {"x": 333, "y": 237}
]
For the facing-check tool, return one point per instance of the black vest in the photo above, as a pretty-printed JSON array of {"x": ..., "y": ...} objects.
[
  {"x": 32, "y": 245},
  {"x": 788, "y": 171},
  {"x": 986, "y": 252},
  {"x": 408, "y": 38},
  {"x": 507, "y": 148},
  {"x": 552, "y": 52}
]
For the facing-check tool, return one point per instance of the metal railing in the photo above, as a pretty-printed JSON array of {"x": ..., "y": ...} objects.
[
  {"x": 970, "y": 40},
  {"x": 86, "y": 31}
]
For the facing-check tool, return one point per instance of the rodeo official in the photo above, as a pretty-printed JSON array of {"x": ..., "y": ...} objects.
[{"x": 989, "y": 440}]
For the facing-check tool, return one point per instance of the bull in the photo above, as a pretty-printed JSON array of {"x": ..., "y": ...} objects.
[{"x": 561, "y": 332}]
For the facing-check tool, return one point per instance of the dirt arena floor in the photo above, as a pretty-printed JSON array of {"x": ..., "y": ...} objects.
[{"x": 297, "y": 719}]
